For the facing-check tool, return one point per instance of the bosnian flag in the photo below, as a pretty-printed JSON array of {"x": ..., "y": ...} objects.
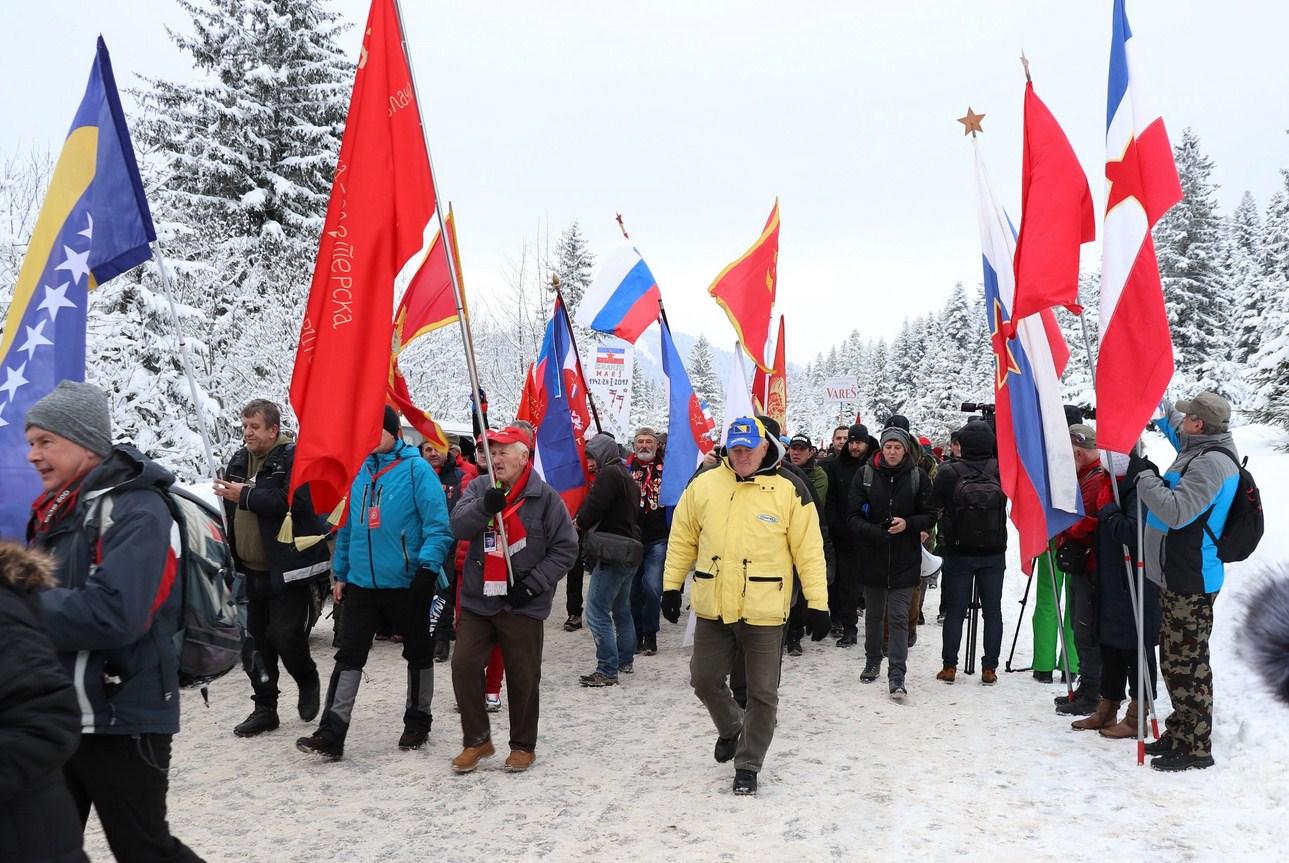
[
  {"x": 562, "y": 414},
  {"x": 623, "y": 299},
  {"x": 1034, "y": 455},
  {"x": 689, "y": 425},
  {"x": 1135, "y": 361}
]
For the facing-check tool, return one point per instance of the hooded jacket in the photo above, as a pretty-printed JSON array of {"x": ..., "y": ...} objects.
[
  {"x": 549, "y": 547},
  {"x": 114, "y": 614},
  {"x": 743, "y": 537},
  {"x": 613, "y": 503},
  {"x": 40, "y": 722},
  {"x": 408, "y": 528},
  {"x": 890, "y": 561},
  {"x": 1194, "y": 493},
  {"x": 266, "y": 496}
]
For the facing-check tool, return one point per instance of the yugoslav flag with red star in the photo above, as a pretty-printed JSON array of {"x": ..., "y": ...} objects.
[
  {"x": 1034, "y": 455},
  {"x": 1135, "y": 361},
  {"x": 561, "y": 416}
]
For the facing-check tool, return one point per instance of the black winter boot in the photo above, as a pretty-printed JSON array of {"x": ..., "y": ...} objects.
[
  {"x": 262, "y": 719},
  {"x": 745, "y": 783},
  {"x": 725, "y": 748},
  {"x": 307, "y": 703}
]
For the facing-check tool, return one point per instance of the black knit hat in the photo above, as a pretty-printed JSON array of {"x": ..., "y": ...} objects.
[{"x": 391, "y": 423}]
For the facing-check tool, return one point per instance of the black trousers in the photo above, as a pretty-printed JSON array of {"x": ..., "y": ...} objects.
[
  {"x": 277, "y": 627},
  {"x": 1119, "y": 672},
  {"x": 403, "y": 610},
  {"x": 848, "y": 589},
  {"x": 573, "y": 586},
  {"x": 125, "y": 779},
  {"x": 445, "y": 629}
]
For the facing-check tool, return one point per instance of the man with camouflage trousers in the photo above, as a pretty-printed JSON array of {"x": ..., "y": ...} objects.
[{"x": 1188, "y": 507}]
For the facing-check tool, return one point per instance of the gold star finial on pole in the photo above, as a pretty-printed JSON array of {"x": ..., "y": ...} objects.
[{"x": 971, "y": 122}]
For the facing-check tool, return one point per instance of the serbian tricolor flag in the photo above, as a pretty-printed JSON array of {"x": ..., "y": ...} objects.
[
  {"x": 1135, "y": 360},
  {"x": 428, "y": 303},
  {"x": 1056, "y": 217},
  {"x": 689, "y": 425},
  {"x": 377, "y": 233},
  {"x": 623, "y": 299},
  {"x": 745, "y": 290},
  {"x": 558, "y": 409},
  {"x": 1034, "y": 455}
]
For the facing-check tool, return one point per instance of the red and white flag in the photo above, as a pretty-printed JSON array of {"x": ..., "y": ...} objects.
[
  {"x": 1135, "y": 361},
  {"x": 376, "y": 236}
]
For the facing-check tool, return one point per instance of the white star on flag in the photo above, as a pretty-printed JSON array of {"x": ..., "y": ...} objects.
[
  {"x": 35, "y": 338},
  {"x": 13, "y": 380},
  {"x": 76, "y": 263},
  {"x": 88, "y": 233},
  {"x": 55, "y": 299}
]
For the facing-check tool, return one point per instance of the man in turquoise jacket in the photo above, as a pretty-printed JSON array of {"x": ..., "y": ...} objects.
[{"x": 388, "y": 562}]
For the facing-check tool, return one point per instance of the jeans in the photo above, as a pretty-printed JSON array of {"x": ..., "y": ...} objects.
[
  {"x": 125, "y": 778},
  {"x": 646, "y": 589},
  {"x": 956, "y": 579},
  {"x": 608, "y": 616},
  {"x": 893, "y": 606}
]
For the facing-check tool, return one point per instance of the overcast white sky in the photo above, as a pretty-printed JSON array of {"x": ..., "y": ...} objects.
[{"x": 689, "y": 118}]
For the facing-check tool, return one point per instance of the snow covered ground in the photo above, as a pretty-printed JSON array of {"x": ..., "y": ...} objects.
[{"x": 960, "y": 771}]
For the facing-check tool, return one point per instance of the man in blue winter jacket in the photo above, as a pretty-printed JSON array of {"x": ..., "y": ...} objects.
[
  {"x": 388, "y": 563},
  {"x": 1187, "y": 509},
  {"x": 113, "y": 616}
]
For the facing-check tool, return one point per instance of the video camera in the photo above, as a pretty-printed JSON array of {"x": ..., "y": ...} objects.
[{"x": 977, "y": 407}]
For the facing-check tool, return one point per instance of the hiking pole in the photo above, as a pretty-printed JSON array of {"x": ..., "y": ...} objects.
[
  {"x": 973, "y": 627},
  {"x": 1060, "y": 627},
  {"x": 1029, "y": 582},
  {"x": 1141, "y": 644}
]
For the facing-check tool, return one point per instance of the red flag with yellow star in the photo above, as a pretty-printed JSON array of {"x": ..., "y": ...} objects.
[{"x": 745, "y": 290}]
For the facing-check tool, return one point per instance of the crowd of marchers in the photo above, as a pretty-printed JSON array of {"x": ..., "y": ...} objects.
[{"x": 459, "y": 556}]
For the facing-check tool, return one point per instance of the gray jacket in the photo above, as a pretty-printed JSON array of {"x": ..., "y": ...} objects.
[
  {"x": 1186, "y": 509},
  {"x": 549, "y": 550}
]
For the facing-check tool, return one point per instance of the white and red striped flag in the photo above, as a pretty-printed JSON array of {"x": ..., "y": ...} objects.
[{"x": 1135, "y": 361}]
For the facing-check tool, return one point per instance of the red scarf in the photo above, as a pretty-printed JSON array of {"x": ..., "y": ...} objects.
[
  {"x": 495, "y": 578},
  {"x": 51, "y": 507}
]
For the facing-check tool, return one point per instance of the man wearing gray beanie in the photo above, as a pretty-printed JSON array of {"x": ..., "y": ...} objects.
[{"x": 103, "y": 521}]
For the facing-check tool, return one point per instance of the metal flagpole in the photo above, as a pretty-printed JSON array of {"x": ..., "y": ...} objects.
[
  {"x": 463, "y": 317},
  {"x": 1135, "y": 594},
  {"x": 185, "y": 355},
  {"x": 1060, "y": 626}
]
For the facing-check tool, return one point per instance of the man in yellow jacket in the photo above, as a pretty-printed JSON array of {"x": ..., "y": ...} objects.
[{"x": 745, "y": 527}]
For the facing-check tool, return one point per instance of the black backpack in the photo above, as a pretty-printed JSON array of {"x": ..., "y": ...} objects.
[
  {"x": 978, "y": 509},
  {"x": 1244, "y": 520}
]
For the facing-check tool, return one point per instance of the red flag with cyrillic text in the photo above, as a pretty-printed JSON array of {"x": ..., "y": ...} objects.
[{"x": 377, "y": 232}]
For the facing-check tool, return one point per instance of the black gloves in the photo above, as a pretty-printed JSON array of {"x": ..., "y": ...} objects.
[
  {"x": 818, "y": 623},
  {"x": 424, "y": 573},
  {"x": 522, "y": 591},
  {"x": 671, "y": 605},
  {"x": 494, "y": 500},
  {"x": 1072, "y": 558},
  {"x": 1138, "y": 465},
  {"x": 1111, "y": 508}
]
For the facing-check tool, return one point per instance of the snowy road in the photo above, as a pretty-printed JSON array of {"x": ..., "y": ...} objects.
[{"x": 961, "y": 771}]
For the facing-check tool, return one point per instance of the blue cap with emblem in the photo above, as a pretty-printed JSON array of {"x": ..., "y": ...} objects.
[{"x": 745, "y": 431}]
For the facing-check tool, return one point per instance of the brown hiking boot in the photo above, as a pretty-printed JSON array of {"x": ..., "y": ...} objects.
[
  {"x": 948, "y": 674},
  {"x": 988, "y": 676},
  {"x": 1126, "y": 728},
  {"x": 519, "y": 760},
  {"x": 470, "y": 757},
  {"x": 1106, "y": 714}
]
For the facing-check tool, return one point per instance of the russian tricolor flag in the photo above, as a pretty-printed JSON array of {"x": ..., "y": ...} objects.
[
  {"x": 1035, "y": 459},
  {"x": 623, "y": 299}
]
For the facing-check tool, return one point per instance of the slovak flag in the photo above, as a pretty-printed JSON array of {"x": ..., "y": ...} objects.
[
  {"x": 1135, "y": 360},
  {"x": 560, "y": 412},
  {"x": 689, "y": 425},
  {"x": 623, "y": 299},
  {"x": 1034, "y": 455}
]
